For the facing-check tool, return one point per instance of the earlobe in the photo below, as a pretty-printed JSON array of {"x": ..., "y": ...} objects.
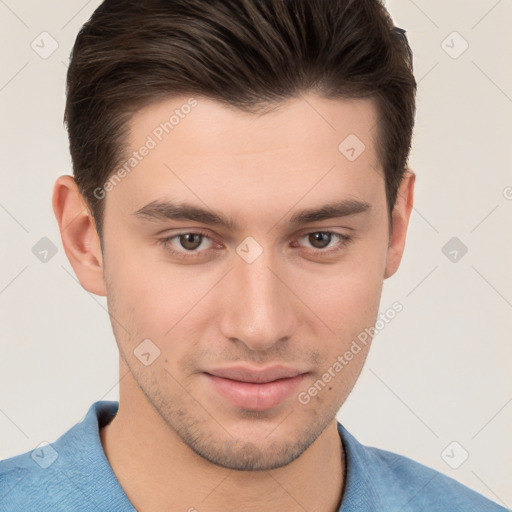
[
  {"x": 78, "y": 233},
  {"x": 399, "y": 222}
]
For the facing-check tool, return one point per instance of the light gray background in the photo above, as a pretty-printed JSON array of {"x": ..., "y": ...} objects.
[{"x": 438, "y": 373}]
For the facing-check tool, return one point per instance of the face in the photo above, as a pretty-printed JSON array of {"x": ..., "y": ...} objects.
[{"x": 247, "y": 298}]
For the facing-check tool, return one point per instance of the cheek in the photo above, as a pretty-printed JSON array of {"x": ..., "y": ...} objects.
[
  {"x": 158, "y": 299},
  {"x": 346, "y": 296},
  {"x": 150, "y": 293}
]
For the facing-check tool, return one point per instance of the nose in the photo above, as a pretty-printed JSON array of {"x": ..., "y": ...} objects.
[{"x": 260, "y": 310}]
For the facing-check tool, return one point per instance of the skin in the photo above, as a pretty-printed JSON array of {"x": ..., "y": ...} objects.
[{"x": 293, "y": 305}]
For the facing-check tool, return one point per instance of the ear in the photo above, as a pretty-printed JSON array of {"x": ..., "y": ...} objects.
[
  {"x": 78, "y": 233},
  {"x": 399, "y": 222}
]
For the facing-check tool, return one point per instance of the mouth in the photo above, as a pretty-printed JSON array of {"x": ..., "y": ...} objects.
[{"x": 253, "y": 388}]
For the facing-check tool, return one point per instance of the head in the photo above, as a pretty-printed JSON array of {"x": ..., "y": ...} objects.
[{"x": 240, "y": 193}]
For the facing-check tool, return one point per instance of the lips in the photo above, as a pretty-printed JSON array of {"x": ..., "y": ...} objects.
[
  {"x": 254, "y": 388},
  {"x": 256, "y": 376}
]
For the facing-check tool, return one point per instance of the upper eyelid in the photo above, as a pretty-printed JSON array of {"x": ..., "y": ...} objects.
[
  {"x": 298, "y": 236},
  {"x": 301, "y": 232}
]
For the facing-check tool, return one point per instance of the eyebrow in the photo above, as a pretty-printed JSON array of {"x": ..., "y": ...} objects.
[{"x": 167, "y": 210}]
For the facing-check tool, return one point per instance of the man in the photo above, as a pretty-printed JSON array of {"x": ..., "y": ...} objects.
[{"x": 240, "y": 193}]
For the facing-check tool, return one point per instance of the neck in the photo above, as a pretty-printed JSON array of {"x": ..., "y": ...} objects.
[{"x": 160, "y": 472}]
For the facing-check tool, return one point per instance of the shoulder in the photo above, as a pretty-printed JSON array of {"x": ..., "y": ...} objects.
[
  {"x": 400, "y": 483},
  {"x": 31, "y": 481},
  {"x": 57, "y": 476},
  {"x": 425, "y": 488}
]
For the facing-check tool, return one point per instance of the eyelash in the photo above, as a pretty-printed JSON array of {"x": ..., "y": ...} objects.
[{"x": 165, "y": 243}]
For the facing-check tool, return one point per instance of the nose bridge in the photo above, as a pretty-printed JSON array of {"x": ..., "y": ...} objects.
[{"x": 260, "y": 311}]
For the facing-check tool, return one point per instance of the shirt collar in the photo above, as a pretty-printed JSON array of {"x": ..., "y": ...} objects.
[{"x": 360, "y": 493}]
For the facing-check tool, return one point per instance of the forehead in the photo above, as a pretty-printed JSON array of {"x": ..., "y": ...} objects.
[
  {"x": 308, "y": 118},
  {"x": 201, "y": 150}
]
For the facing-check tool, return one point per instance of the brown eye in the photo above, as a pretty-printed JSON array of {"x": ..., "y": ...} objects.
[
  {"x": 190, "y": 241},
  {"x": 188, "y": 244},
  {"x": 320, "y": 239},
  {"x": 324, "y": 242}
]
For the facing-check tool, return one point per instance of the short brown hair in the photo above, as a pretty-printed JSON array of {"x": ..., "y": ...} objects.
[{"x": 246, "y": 53}]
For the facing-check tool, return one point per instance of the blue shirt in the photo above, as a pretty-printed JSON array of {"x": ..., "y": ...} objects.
[{"x": 73, "y": 474}]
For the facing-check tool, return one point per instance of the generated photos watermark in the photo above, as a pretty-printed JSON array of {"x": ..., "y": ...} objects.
[
  {"x": 152, "y": 140},
  {"x": 344, "y": 359}
]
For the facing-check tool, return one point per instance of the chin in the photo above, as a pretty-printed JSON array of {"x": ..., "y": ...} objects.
[{"x": 247, "y": 456}]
